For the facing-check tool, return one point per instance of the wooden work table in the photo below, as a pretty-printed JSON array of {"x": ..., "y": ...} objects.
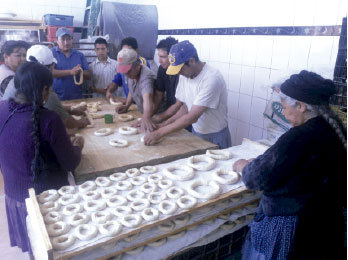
[{"x": 101, "y": 159}]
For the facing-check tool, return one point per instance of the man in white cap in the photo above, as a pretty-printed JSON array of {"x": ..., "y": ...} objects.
[{"x": 140, "y": 81}]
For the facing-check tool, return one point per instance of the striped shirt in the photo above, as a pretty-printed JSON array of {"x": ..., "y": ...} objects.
[{"x": 103, "y": 73}]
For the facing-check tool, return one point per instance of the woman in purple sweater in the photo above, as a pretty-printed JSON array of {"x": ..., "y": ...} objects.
[{"x": 35, "y": 151}]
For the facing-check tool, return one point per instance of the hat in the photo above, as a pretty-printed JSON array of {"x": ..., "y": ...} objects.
[
  {"x": 309, "y": 88},
  {"x": 62, "y": 31},
  {"x": 125, "y": 59},
  {"x": 178, "y": 55},
  {"x": 41, "y": 54}
]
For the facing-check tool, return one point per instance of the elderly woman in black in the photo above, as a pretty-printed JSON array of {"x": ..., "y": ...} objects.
[{"x": 303, "y": 179}]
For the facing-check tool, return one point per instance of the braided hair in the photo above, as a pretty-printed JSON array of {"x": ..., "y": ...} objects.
[{"x": 30, "y": 80}]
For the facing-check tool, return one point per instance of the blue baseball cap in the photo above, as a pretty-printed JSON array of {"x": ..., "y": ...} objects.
[
  {"x": 178, "y": 55},
  {"x": 63, "y": 31}
]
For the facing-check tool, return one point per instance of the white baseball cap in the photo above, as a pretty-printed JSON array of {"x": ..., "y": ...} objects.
[{"x": 41, "y": 54}]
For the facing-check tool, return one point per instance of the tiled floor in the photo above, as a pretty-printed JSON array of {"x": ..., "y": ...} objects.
[{"x": 7, "y": 252}]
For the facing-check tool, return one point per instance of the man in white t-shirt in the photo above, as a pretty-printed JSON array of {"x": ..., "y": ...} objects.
[{"x": 201, "y": 95}]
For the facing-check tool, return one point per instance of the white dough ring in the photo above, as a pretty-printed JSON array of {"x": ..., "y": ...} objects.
[
  {"x": 135, "y": 250},
  {"x": 96, "y": 115},
  {"x": 189, "y": 172},
  {"x": 102, "y": 181},
  {"x": 110, "y": 228},
  {"x": 52, "y": 217},
  {"x": 58, "y": 228},
  {"x": 138, "y": 180},
  {"x": 177, "y": 235},
  {"x": 165, "y": 184},
  {"x": 108, "y": 193},
  {"x": 186, "y": 202},
  {"x": 94, "y": 205},
  {"x": 112, "y": 102},
  {"x": 167, "y": 207},
  {"x": 90, "y": 119},
  {"x": 140, "y": 204},
  {"x": 118, "y": 142},
  {"x": 87, "y": 186},
  {"x": 124, "y": 185},
  {"x": 159, "y": 242},
  {"x": 150, "y": 214},
  {"x": 91, "y": 195},
  {"x": 132, "y": 172},
  {"x": 103, "y": 132},
  {"x": 121, "y": 211},
  {"x": 131, "y": 220},
  {"x": 234, "y": 176},
  {"x": 67, "y": 190},
  {"x": 79, "y": 219},
  {"x": 91, "y": 231},
  {"x": 210, "y": 163},
  {"x": 127, "y": 130},
  {"x": 174, "y": 192},
  {"x": 48, "y": 195},
  {"x": 125, "y": 118},
  {"x": 101, "y": 217},
  {"x": 182, "y": 220},
  {"x": 168, "y": 226},
  {"x": 116, "y": 201},
  {"x": 49, "y": 206},
  {"x": 148, "y": 169},
  {"x": 71, "y": 209},
  {"x": 148, "y": 187},
  {"x": 219, "y": 154},
  {"x": 69, "y": 199},
  {"x": 154, "y": 178},
  {"x": 63, "y": 242},
  {"x": 118, "y": 176},
  {"x": 157, "y": 197},
  {"x": 135, "y": 195},
  {"x": 213, "y": 191}
]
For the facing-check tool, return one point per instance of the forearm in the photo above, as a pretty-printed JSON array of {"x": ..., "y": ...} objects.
[
  {"x": 129, "y": 100},
  {"x": 182, "y": 122},
  {"x": 170, "y": 112},
  {"x": 157, "y": 98},
  {"x": 87, "y": 74},
  {"x": 182, "y": 110},
  {"x": 61, "y": 73},
  {"x": 72, "y": 123}
]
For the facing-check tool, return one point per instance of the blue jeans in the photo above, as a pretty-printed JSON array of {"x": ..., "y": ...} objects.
[{"x": 222, "y": 138}]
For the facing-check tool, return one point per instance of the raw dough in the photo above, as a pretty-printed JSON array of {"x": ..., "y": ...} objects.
[
  {"x": 69, "y": 199},
  {"x": 135, "y": 195},
  {"x": 125, "y": 118},
  {"x": 67, "y": 190},
  {"x": 115, "y": 201},
  {"x": 101, "y": 217},
  {"x": 159, "y": 242},
  {"x": 52, "y": 217},
  {"x": 94, "y": 205},
  {"x": 188, "y": 175},
  {"x": 165, "y": 184},
  {"x": 48, "y": 195},
  {"x": 140, "y": 204},
  {"x": 87, "y": 186},
  {"x": 137, "y": 180},
  {"x": 186, "y": 202},
  {"x": 91, "y": 231},
  {"x": 219, "y": 154},
  {"x": 174, "y": 192},
  {"x": 118, "y": 142},
  {"x": 103, "y": 132},
  {"x": 58, "y": 228},
  {"x": 131, "y": 220},
  {"x": 213, "y": 191},
  {"x": 148, "y": 169},
  {"x": 49, "y": 206},
  {"x": 167, "y": 207},
  {"x": 127, "y": 130},
  {"x": 234, "y": 176},
  {"x": 157, "y": 197},
  {"x": 63, "y": 242},
  {"x": 91, "y": 195},
  {"x": 102, "y": 181},
  {"x": 121, "y": 211},
  {"x": 118, "y": 176},
  {"x": 154, "y": 178},
  {"x": 110, "y": 228},
  {"x": 150, "y": 214},
  {"x": 79, "y": 219},
  {"x": 108, "y": 193},
  {"x": 72, "y": 209},
  {"x": 148, "y": 187},
  {"x": 210, "y": 163},
  {"x": 132, "y": 172},
  {"x": 112, "y": 102},
  {"x": 124, "y": 185}
]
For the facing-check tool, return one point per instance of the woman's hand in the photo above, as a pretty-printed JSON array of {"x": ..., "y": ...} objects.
[{"x": 239, "y": 165}]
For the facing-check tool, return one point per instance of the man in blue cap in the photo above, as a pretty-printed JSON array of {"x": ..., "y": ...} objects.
[
  {"x": 69, "y": 63},
  {"x": 202, "y": 93}
]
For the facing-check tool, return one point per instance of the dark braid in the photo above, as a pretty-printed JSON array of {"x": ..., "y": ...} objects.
[{"x": 35, "y": 164}]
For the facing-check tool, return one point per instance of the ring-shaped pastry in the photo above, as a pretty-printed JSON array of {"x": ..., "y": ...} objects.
[
  {"x": 224, "y": 216},
  {"x": 101, "y": 217},
  {"x": 135, "y": 195},
  {"x": 240, "y": 220},
  {"x": 94, "y": 205},
  {"x": 124, "y": 185},
  {"x": 182, "y": 220},
  {"x": 186, "y": 202},
  {"x": 112, "y": 102},
  {"x": 63, "y": 242},
  {"x": 69, "y": 199},
  {"x": 219, "y": 154},
  {"x": 115, "y": 201},
  {"x": 72, "y": 209},
  {"x": 217, "y": 176},
  {"x": 174, "y": 192},
  {"x": 193, "y": 160},
  {"x": 165, "y": 184},
  {"x": 110, "y": 228},
  {"x": 52, "y": 217},
  {"x": 138, "y": 180},
  {"x": 167, "y": 207},
  {"x": 48, "y": 195},
  {"x": 121, "y": 211},
  {"x": 118, "y": 142},
  {"x": 87, "y": 186},
  {"x": 127, "y": 130},
  {"x": 58, "y": 228},
  {"x": 91, "y": 195},
  {"x": 188, "y": 172},
  {"x": 131, "y": 238},
  {"x": 96, "y": 115},
  {"x": 154, "y": 178},
  {"x": 157, "y": 243},
  {"x": 131, "y": 220},
  {"x": 118, "y": 176},
  {"x": 103, "y": 132},
  {"x": 125, "y": 118},
  {"x": 49, "y": 206},
  {"x": 148, "y": 169},
  {"x": 228, "y": 225},
  {"x": 157, "y": 197},
  {"x": 167, "y": 226},
  {"x": 102, "y": 181},
  {"x": 90, "y": 231},
  {"x": 90, "y": 119},
  {"x": 148, "y": 187},
  {"x": 214, "y": 189},
  {"x": 135, "y": 251},
  {"x": 109, "y": 192},
  {"x": 67, "y": 190},
  {"x": 177, "y": 235},
  {"x": 79, "y": 219},
  {"x": 150, "y": 214},
  {"x": 132, "y": 172},
  {"x": 140, "y": 204},
  {"x": 236, "y": 199}
]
